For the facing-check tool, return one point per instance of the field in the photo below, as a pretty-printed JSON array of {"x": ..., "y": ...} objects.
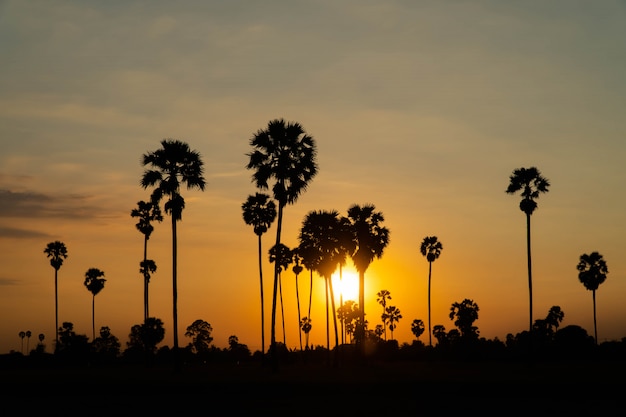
[{"x": 390, "y": 388}]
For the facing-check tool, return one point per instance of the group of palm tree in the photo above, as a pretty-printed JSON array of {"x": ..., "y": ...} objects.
[{"x": 283, "y": 159}]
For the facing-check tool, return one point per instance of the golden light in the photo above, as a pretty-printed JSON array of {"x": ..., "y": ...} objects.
[{"x": 346, "y": 285}]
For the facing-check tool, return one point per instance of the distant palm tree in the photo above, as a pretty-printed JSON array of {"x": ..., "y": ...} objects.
[
  {"x": 147, "y": 212},
  {"x": 259, "y": 211},
  {"x": 57, "y": 252},
  {"x": 371, "y": 240},
  {"x": 430, "y": 248},
  {"x": 392, "y": 316},
  {"x": 285, "y": 155},
  {"x": 281, "y": 256},
  {"x": 417, "y": 328},
  {"x": 173, "y": 165},
  {"x": 28, "y": 335},
  {"x": 382, "y": 296},
  {"x": 592, "y": 272},
  {"x": 531, "y": 183},
  {"x": 94, "y": 283},
  {"x": 22, "y": 335}
]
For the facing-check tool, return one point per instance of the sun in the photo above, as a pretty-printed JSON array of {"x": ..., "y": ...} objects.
[{"x": 348, "y": 286}]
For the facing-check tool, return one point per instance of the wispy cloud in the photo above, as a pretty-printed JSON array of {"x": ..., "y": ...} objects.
[
  {"x": 31, "y": 204},
  {"x": 6, "y": 282},
  {"x": 15, "y": 233}
]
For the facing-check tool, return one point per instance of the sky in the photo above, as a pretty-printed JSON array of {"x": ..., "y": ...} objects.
[{"x": 421, "y": 108}]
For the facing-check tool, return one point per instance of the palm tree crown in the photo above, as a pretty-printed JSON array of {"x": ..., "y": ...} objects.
[
  {"x": 259, "y": 211},
  {"x": 592, "y": 270},
  {"x": 57, "y": 252},
  {"x": 431, "y": 248},
  {"x": 531, "y": 183}
]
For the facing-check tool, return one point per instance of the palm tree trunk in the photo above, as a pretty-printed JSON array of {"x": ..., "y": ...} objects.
[
  {"x": 595, "y": 326},
  {"x": 273, "y": 354},
  {"x": 262, "y": 301},
  {"x": 310, "y": 295},
  {"x": 299, "y": 316},
  {"x": 145, "y": 279},
  {"x": 327, "y": 317},
  {"x": 530, "y": 274},
  {"x": 341, "y": 302},
  {"x": 56, "y": 309},
  {"x": 282, "y": 308},
  {"x": 430, "y": 330},
  {"x": 174, "y": 283},
  {"x": 361, "y": 327},
  {"x": 93, "y": 317},
  {"x": 332, "y": 302}
]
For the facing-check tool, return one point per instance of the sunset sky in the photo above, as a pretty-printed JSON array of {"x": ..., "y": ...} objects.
[{"x": 422, "y": 108}]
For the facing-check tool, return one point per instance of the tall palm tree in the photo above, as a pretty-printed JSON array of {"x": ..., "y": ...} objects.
[
  {"x": 531, "y": 183},
  {"x": 171, "y": 166},
  {"x": 371, "y": 240},
  {"x": 321, "y": 232},
  {"x": 57, "y": 252},
  {"x": 94, "y": 283},
  {"x": 381, "y": 297},
  {"x": 281, "y": 256},
  {"x": 592, "y": 271},
  {"x": 147, "y": 212},
  {"x": 259, "y": 211},
  {"x": 284, "y": 157},
  {"x": 430, "y": 248}
]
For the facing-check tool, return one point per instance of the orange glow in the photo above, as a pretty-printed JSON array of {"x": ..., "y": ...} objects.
[{"x": 346, "y": 285}]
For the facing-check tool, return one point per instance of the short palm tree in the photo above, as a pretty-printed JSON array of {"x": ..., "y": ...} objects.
[
  {"x": 94, "y": 282},
  {"x": 172, "y": 166},
  {"x": 259, "y": 211},
  {"x": 57, "y": 252},
  {"x": 284, "y": 158},
  {"x": 22, "y": 335},
  {"x": 382, "y": 297},
  {"x": 531, "y": 183},
  {"x": 147, "y": 212},
  {"x": 28, "y": 335},
  {"x": 371, "y": 239},
  {"x": 592, "y": 272},
  {"x": 392, "y": 316},
  {"x": 430, "y": 248},
  {"x": 417, "y": 328}
]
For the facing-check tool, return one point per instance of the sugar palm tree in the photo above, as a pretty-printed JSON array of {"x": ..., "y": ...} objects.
[
  {"x": 430, "y": 248},
  {"x": 28, "y": 335},
  {"x": 284, "y": 158},
  {"x": 57, "y": 252},
  {"x": 281, "y": 256},
  {"x": 371, "y": 240},
  {"x": 94, "y": 282},
  {"x": 381, "y": 297},
  {"x": 531, "y": 183},
  {"x": 392, "y": 316},
  {"x": 417, "y": 328},
  {"x": 147, "y": 212},
  {"x": 592, "y": 272},
  {"x": 172, "y": 166},
  {"x": 259, "y": 211}
]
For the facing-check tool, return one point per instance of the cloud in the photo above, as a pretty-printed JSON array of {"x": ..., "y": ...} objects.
[
  {"x": 5, "y": 282},
  {"x": 15, "y": 233},
  {"x": 38, "y": 205}
]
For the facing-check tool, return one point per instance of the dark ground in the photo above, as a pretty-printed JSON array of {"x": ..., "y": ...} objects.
[{"x": 381, "y": 389}]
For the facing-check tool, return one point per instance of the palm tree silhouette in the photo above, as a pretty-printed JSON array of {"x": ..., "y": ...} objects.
[
  {"x": 22, "y": 335},
  {"x": 173, "y": 165},
  {"x": 281, "y": 256},
  {"x": 28, "y": 335},
  {"x": 57, "y": 252},
  {"x": 94, "y": 283},
  {"x": 147, "y": 212},
  {"x": 392, "y": 316},
  {"x": 430, "y": 248},
  {"x": 286, "y": 156},
  {"x": 371, "y": 240},
  {"x": 381, "y": 297},
  {"x": 321, "y": 232},
  {"x": 297, "y": 269},
  {"x": 259, "y": 211},
  {"x": 417, "y": 328},
  {"x": 531, "y": 183},
  {"x": 592, "y": 271},
  {"x": 309, "y": 258}
]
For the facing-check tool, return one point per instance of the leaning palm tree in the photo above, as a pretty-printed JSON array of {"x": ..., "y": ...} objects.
[
  {"x": 171, "y": 166},
  {"x": 592, "y": 271},
  {"x": 284, "y": 158},
  {"x": 371, "y": 240},
  {"x": 531, "y": 183},
  {"x": 57, "y": 252},
  {"x": 259, "y": 211},
  {"x": 430, "y": 248},
  {"x": 94, "y": 283},
  {"x": 147, "y": 212}
]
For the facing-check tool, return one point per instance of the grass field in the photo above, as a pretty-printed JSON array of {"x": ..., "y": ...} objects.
[{"x": 406, "y": 388}]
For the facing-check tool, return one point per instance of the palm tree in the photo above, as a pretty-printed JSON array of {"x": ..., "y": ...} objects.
[
  {"x": 94, "y": 283},
  {"x": 281, "y": 256},
  {"x": 430, "y": 248},
  {"x": 28, "y": 335},
  {"x": 417, "y": 328},
  {"x": 173, "y": 165},
  {"x": 22, "y": 335},
  {"x": 382, "y": 296},
  {"x": 371, "y": 240},
  {"x": 531, "y": 183},
  {"x": 260, "y": 212},
  {"x": 286, "y": 156},
  {"x": 57, "y": 252},
  {"x": 392, "y": 316},
  {"x": 297, "y": 269},
  {"x": 592, "y": 271},
  {"x": 321, "y": 233},
  {"x": 147, "y": 212}
]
